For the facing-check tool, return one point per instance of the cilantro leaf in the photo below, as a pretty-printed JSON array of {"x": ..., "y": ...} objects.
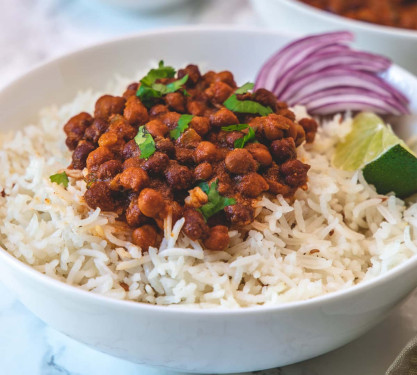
[
  {"x": 241, "y": 142},
  {"x": 146, "y": 94},
  {"x": 232, "y": 128},
  {"x": 216, "y": 202},
  {"x": 246, "y": 106},
  {"x": 170, "y": 87},
  {"x": 60, "y": 178},
  {"x": 145, "y": 142},
  {"x": 161, "y": 72},
  {"x": 182, "y": 126},
  {"x": 205, "y": 186},
  {"x": 91, "y": 182},
  {"x": 149, "y": 90},
  {"x": 245, "y": 88}
]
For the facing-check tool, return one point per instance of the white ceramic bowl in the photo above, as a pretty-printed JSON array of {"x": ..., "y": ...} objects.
[
  {"x": 205, "y": 341},
  {"x": 294, "y": 16}
]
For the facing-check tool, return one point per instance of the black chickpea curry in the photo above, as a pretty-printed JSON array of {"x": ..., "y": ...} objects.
[{"x": 187, "y": 145}]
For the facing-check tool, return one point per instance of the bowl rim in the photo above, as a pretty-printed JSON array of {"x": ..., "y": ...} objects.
[
  {"x": 48, "y": 281},
  {"x": 207, "y": 28},
  {"x": 347, "y": 22}
]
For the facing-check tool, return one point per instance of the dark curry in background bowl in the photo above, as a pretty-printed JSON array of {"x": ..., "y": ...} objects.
[{"x": 395, "y": 13}]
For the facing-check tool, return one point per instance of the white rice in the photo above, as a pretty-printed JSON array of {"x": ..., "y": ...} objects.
[{"x": 337, "y": 233}]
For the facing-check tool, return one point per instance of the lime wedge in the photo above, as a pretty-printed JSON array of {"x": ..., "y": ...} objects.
[{"x": 387, "y": 162}]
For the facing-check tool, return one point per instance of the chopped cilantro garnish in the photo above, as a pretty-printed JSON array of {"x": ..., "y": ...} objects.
[
  {"x": 216, "y": 202},
  {"x": 182, "y": 126},
  {"x": 170, "y": 87},
  {"x": 241, "y": 142},
  {"x": 245, "y": 88},
  {"x": 147, "y": 94},
  {"x": 246, "y": 106},
  {"x": 161, "y": 72},
  {"x": 232, "y": 128},
  {"x": 145, "y": 142},
  {"x": 149, "y": 90},
  {"x": 90, "y": 183},
  {"x": 60, "y": 178}
]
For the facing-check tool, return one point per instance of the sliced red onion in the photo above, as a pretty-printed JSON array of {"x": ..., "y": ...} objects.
[
  {"x": 342, "y": 90},
  {"x": 336, "y": 91},
  {"x": 323, "y": 73},
  {"x": 335, "y": 107},
  {"x": 296, "y": 52},
  {"x": 381, "y": 104},
  {"x": 366, "y": 61},
  {"x": 336, "y": 77},
  {"x": 324, "y": 59}
]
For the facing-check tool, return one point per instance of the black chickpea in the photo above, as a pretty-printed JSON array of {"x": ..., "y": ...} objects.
[
  {"x": 109, "y": 105},
  {"x": 218, "y": 238},
  {"x": 260, "y": 153},
  {"x": 145, "y": 236},
  {"x": 151, "y": 203},
  {"x": 240, "y": 161},
  {"x": 134, "y": 179},
  {"x": 157, "y": 128},
  {"x": 206, "y": 151},
  {"x": 186, "y": 164}
]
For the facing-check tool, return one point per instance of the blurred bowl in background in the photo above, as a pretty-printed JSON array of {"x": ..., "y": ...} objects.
[
  {"x": 142, "y": 5},
  {"x": 294, "y": 16}
]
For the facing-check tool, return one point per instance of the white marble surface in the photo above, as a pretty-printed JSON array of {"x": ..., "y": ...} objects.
[
  {"x": 29, "y": 347},
  {"x": 33, "y": 31}
]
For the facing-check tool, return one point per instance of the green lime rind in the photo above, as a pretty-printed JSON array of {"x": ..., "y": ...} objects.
[
  {"x": 386, "y": 161},
  {"x": 368, "y": 139},
  {"x": 393, "y": 171}
]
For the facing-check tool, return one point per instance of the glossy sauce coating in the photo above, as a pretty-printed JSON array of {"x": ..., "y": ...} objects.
[{"x": 143, "y": 191}]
